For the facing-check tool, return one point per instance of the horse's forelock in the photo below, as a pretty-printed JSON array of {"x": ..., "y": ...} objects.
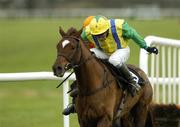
[{"x": 72, "y": 32}]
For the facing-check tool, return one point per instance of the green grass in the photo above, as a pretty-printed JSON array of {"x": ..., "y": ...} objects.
[
  {"x": 30, "y": 104},
  {"x": 30, "y": 45}
]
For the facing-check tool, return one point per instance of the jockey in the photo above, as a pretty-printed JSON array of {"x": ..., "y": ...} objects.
[{"x": 110, "y": 37}]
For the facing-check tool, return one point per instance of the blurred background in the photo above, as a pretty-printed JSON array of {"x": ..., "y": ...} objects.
[
  {"x": 69, "y": 8},
  {"x": 28, "y": 38}
]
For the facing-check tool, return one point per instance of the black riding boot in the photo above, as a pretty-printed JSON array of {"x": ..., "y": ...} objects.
[
  {"x": 73, "y": 93},
  {"x": 133, "y": 87},
  {"x": 70, "y": 109}
]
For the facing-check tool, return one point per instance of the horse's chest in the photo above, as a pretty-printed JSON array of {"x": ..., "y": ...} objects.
[{"x": 90, "y": 109}]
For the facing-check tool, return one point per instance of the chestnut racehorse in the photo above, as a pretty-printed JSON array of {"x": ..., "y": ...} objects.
[{"x": 99, "y": 94}]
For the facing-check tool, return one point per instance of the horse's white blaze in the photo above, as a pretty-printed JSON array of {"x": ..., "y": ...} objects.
[{"x": 65, "y": 42}]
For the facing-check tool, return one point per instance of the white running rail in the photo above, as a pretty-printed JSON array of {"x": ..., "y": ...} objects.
[
  {"x": 42, "y": 76},
  {"x": 163, "y": 69}
]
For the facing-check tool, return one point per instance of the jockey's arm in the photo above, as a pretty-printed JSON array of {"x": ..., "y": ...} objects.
[
  {"x": 83, "y": 36},
  {"x": 130, "y": 33}
]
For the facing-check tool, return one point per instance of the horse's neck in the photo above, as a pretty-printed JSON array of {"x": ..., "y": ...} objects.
[{"x": 89, "y": 74}]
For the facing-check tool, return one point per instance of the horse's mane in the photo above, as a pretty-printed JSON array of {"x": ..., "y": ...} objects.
[{"x": 71, "y": 31}]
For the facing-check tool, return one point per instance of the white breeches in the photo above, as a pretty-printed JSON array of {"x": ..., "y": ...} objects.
[{"x": 119, "y": 57}]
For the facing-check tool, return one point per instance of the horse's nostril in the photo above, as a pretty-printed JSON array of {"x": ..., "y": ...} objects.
[{"x": 59, "y": 68}]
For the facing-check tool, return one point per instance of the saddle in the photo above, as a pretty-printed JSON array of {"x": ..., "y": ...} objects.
[{"x": 122, "y": 82}]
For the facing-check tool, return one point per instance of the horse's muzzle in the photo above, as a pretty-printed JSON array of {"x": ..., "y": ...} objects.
[{"x": 58, "y": 71}]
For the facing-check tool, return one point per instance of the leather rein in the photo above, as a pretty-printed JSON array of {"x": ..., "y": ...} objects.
[{"x": 72, "y": 65}]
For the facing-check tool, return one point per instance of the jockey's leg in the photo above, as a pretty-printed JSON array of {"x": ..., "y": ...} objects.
[
  {"x": 99, "y": 53},
  {"x": 118, "y": 58},
  {"x": 134, "y": 87},
  {"x": 73, "y": 89},
  {"x": 73, "y": 93}
]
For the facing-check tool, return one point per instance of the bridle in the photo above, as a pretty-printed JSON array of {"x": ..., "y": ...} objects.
[
  {"x": 71, "y": 58},
  {"x": 73, "y": 65}
]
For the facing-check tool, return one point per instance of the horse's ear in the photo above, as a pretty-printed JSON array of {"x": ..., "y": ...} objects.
[{"x": 61, "y": 31}]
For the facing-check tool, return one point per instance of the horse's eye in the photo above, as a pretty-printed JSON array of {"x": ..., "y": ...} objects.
[{"x": 73, "y": 48}]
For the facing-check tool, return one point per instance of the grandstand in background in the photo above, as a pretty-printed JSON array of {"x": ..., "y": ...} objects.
[
  {"x": 64, "y": 8},
  {"x": 32, "y": 4}
]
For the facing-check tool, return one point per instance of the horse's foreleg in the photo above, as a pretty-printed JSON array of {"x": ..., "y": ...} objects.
[
  {"x": 127, "y": 121},
  {"x": 140, "y": 116},
  {"x": 105, "y": 122}
]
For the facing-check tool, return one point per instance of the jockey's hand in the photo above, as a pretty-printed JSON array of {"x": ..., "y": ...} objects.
[{"x": 152, "y": 50}]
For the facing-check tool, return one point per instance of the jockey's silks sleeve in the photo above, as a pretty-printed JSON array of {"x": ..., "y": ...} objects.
[
  {"x": 83, "y": 35},
  {"x": 130, "y": 33}
]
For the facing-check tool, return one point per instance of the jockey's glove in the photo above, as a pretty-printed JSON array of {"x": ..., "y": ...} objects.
[{"x": 152, "y": 50}]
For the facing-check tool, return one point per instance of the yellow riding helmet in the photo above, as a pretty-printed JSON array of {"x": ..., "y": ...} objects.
[
  {"x": 99, "y": 25},
  {"x": 87, "y": 21}
]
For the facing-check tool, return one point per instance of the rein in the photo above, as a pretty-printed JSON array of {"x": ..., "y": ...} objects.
[
  {"x": 105, "y": 82},
  {"x": 75, "y": 66},
  {"x": 64, "y": 80}
]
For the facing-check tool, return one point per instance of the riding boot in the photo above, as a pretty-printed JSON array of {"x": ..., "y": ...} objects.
[
  {"x": 70, "y": 109},
  {"x": 73, "y": 93},
  {"x": 133, "y": 87}
]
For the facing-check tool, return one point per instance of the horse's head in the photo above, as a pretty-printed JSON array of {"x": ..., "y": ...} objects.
[{"x": 68, "y": 51}]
